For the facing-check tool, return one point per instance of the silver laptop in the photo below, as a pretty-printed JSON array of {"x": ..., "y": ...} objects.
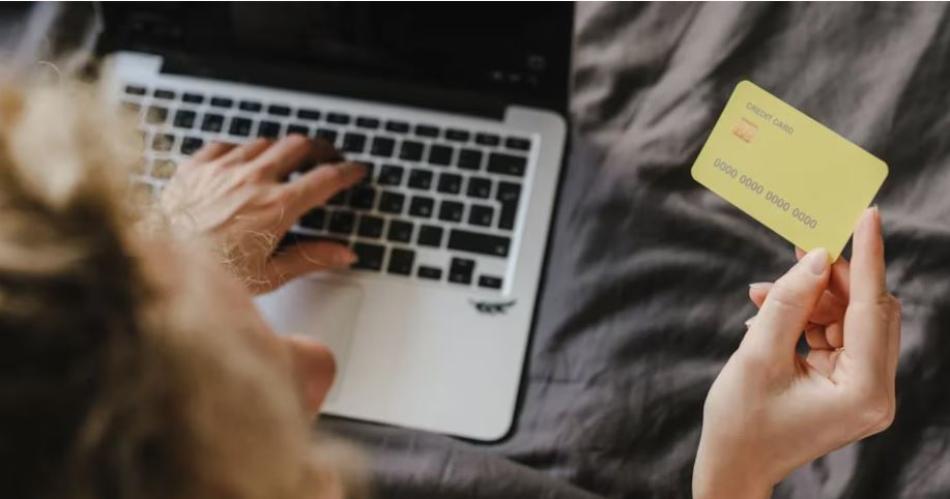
[{"x": 458, "y": 110}]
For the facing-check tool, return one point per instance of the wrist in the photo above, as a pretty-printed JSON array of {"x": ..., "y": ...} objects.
[{"x": 733, "y": 482}]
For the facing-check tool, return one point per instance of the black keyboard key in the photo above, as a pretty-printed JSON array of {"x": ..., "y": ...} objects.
[
  {"x": 391, "y": 202},
  {"x": 460, "y": 270},
  {"x": 314, "y": 219},
  {"x": 440, "y": 155},
  {"x": 185, "y": 118},
  {"x": 368, "y": 178},
  {"x": 222, "y": 102},
  {"x": 338, "y": 199},
  {"x": 487, "y": 139},
  {"x": 450, "y": 183},
  {"x": 420, "y": 179},
  {"x": 476, "y": 242},
  {"x": 481, "y": 215},
  {"x": 456, "y": 135},
  {"x": 339, "y": 118},
  {"x": 308, "y": 114},
  {"x": 327, "y": 135},
  {"x": 163, "y": 94},
  {"x": 518, "y": 143},
  {"x": 156, "y": 115},
  {"x": 479, "y": 187},
  {"x": 362, "y": 198},
  {"x": 399, "y": 231},
  {"x": 134, "y": 107},
  {"x": 191, "y": 144},
  {"x": 470, "y": 159},
  {"x": 490, "y": 282},
  {"x": 427, "y": 131},
  {"x": 421, "y": 206},
  {"x": 298, "y": 129},
  {"x": 430, "y": 235},
  {"x": 382, "y": 147},
  {"x": 370, "y": 227},
  {"x": 163, "y": 142},
  {"x": 431, "y": 273},
  {"x": 397, "y": 126},
  {"x": 269, "y": 129},
  {"x": 368, "y": 256},
  {"x": 354, "y": 142},
  {"x": 451, "y": 211},
  {"x": 390, "y": 175},
  {"x": 240, "y": 127},
  {"x": 212, "y": 122},
  {"x": 278, "y": 110},
  {"x": 507, "y": 164},
  {"x": 342, "y": 222},
  {"x": 411, "y": 150},
  {"x": 135, "y": 90},
  {"x": 400, "y": 261},
  {"x": 367, "y": 122},
  {"x": 193, "y": 98},
  {"x": 250, "y": 106},
  {"x": 508, "y": 195}
]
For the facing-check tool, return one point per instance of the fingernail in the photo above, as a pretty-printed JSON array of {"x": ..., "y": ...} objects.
[
  {"x": 345, "y": 258},
  {"x": 760, "y": 285},
  {"x": 816, "y": 260}
]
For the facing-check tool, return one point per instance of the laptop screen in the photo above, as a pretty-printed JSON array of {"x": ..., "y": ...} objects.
[{"x": 514, "y": 52}]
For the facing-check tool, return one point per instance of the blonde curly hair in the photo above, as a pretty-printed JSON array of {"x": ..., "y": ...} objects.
[{"x": 111, "y": 385}]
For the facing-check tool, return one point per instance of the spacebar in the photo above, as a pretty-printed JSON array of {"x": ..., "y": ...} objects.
[{"x": 476, "y": 242}]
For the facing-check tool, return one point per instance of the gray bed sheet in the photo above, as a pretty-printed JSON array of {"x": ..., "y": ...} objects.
[{"x": 646, "y": 283}]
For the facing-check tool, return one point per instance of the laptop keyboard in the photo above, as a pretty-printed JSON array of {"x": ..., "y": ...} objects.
[{"x": 439, "y": 204}]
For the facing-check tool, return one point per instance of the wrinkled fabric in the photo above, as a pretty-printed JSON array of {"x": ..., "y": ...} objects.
[{"x": 646, "y": 283}]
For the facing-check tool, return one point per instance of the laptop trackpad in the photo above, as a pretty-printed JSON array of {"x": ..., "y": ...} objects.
[{"x": 322, "y": 309}]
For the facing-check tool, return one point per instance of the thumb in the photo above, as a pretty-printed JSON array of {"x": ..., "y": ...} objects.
[
  {"x": 778, "y": 326},
  {"x": 304, "y": 258}
]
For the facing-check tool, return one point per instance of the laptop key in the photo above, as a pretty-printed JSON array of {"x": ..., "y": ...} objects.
[
  {"x": 421, "y": 206},
  {"x": 368, "y": 256},
  {"x": 338, "y": 199},
  {"x": 456, "y": 135},
  {"x": 451, "y": 211},
  {"x": 370, "y": 168},
  {"x": 193, "y": 98},
  {"x": 427, "y": 131},
  {"x": 156, "y": 115},
  {"x": 411, "y": 150},
  {"x": 314, "y": 219},
  {"x": 430, "y": 235},
  {"x": 397, "y": 126},
  {"x": 222, "y": 102},
  {"x": 278, "y": 110},
  {"x": 135, "y": 90},
  {"x": 450, "y": 183},
  {"x": 362, "y": 198},
  {"x": 481, "y": 215},
  {"x": 370, "y": 227},
  {"x": 390, "y": 175},
  {"x": 427, "y": 272},
  {"x": 240, "y": 127},
  {"x": 342, "y": 222},
  {"x": 164, "y": 169},
  {"x": 163, "y": 142},
  {"x": 518, "y": 143},
  {"x": 476, "y": 242},
  {"x": 382, "y": 147},
  {"x": 298, "y": 129},
  {"x": 490, "y": 282},
  {"x": 487, "y": 139},
  {"x": 460, "y": 270},
  {"x": 250, "y": 106},
  {"x": 367, "y": 122},
  {"x": 479, "y": 187},
  {"x": 339, "y": 118},
  {"x": 354, "y": 142},
  {"x": 212, "y": 122},
  {"x": 470, "y": 159},
  {"x": 400, "y": 261},
  {"x": 164, "y": 94},
  {"x": 440, "y": 155},
  {"x": 185, "y": 118},
  {"x": 327, "y": 135},
  {"x": 508, "y": 195},
  {"x": 391, "y": 202},
  {"x": 191, "y": 144},
  {"x": 399, "y": 231},
  {"x": 507, "y": 164},
  {"x": 420, "y": 179},
  {"x": 269, "y": 129}
]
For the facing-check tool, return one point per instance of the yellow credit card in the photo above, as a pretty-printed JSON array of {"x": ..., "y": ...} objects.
[{"x": 786, "y": 170}]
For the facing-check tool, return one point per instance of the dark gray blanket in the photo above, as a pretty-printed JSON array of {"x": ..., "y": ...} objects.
[{"x": 646, "y": 285}]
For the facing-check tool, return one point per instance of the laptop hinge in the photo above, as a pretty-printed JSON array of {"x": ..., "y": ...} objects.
[{"x": 296, "y": 78}]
